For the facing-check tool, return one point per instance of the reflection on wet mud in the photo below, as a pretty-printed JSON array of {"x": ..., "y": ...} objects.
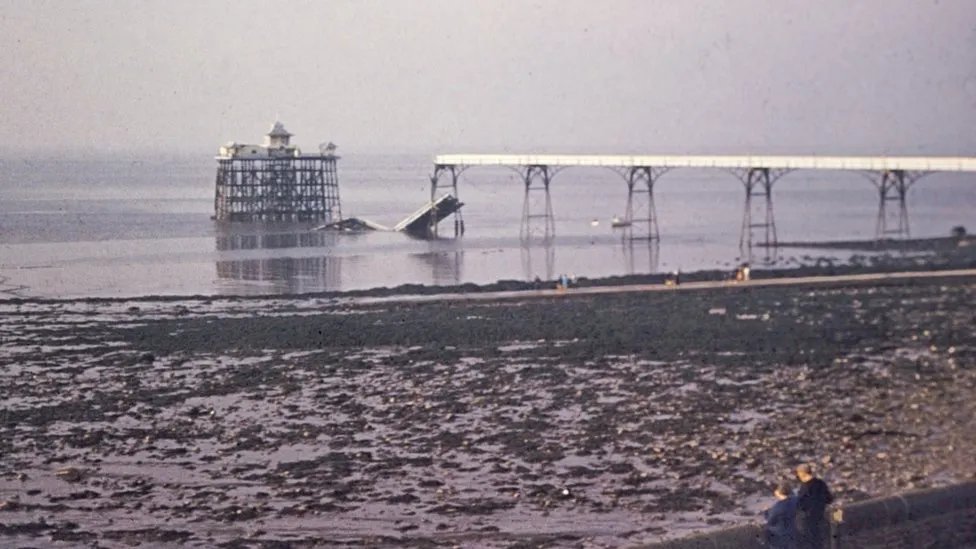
[
  {"x": 764, "y": 255},
  {"x": 538, "y": 260},
  {"x": 445, "y": 266},
  {"x": 306, "y": 273},
  {"x": 641, "y": 256},
  {"x": 267, "y": 238},
  {"x": 286, "y": 274}
]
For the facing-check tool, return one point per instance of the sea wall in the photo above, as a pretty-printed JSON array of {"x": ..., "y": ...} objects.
[{"x": 938, "y": 517}]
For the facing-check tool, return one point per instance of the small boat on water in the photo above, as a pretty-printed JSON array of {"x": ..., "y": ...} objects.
[{"x": 618, "y": 223}]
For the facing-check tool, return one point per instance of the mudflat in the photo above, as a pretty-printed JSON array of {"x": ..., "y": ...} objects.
[{"x": 563, "y": 421}]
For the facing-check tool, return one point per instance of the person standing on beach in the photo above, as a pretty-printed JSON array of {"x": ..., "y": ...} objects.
[
  {"x": 781, "y": 518},
  {"x": 811, "y": 505}
]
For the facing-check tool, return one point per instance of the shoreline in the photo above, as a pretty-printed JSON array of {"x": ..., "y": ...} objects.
[{"x": 938, "y": 243}]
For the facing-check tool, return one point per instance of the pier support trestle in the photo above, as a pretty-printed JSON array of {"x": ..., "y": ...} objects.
[
  {"x": 537, "y": 217},
  {"x": 452, "y": 185},
  {"x": 758, "y": 182},
  {"x": 538, "y": 260},
  {"x": 893, "y": 186},
  {"x": 640, "y": 212}
]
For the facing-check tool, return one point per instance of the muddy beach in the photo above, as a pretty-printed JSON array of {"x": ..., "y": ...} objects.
[{"x": 591, "y": 421}]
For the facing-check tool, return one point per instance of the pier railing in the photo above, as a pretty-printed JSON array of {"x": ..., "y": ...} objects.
[{"x": 938, "y": 517}]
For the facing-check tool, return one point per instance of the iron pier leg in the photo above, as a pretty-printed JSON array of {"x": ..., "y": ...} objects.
[
  {"x": 432, "y": 222},
  {"x": 458, "y": 219},
  {"x": 635, "y": 176},
  {"x": 892, "y": 185},
  {"x": 753, "y": 178},
  {"x": 879, "y": 224},
  {"x": 434, "y": 180},
  {"x": 524, "y": 226},
  {"x": 531, "y": 268},
  {"x": 745, "y": 233},
  {"x": 771, "y": 239},
  {"x": 629, "y": 214},
  {"x": 537, "y": 178}
]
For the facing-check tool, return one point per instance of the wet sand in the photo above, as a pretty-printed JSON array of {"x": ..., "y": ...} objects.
[{"x": 558, "y": 421}]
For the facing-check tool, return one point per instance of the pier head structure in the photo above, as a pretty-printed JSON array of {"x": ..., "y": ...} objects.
[
  {"x": 276, "y": 181},
  {"x": 891, "y": 176}
]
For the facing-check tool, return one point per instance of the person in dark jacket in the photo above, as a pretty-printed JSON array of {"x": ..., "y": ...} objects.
[
  {"x": 781, "y": 519},
  {"x": 811, "y": 505}
]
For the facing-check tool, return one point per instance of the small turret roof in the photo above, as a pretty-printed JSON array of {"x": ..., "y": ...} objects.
[{"x": 278, "y": 130}]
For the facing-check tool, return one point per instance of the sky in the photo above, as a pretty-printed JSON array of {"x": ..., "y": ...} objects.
[{"x": 512, "y": 76}]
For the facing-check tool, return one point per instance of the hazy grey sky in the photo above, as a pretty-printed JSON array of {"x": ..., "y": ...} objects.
[{"x": 676, "y": 76}]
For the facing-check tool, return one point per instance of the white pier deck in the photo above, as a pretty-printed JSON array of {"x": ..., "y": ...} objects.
[{"x": 865, "y": 163}]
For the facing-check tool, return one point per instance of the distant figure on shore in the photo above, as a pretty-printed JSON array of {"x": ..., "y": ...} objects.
[
  {"x": 563, "y": 282},
  {"x": 811, "y": 505},
  {"x": 781, "y": 518},
  {"x": 742, "y": 273}
]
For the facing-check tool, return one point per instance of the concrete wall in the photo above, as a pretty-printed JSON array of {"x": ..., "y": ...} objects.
[{"x": 935, "y": 518}]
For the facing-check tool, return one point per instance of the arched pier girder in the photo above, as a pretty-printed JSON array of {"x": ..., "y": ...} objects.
[
  {"x": 453, "y": 174},
  {"x": 758, "y": 182},
  {"x": 893, "y": 186},
  {"x": 538, "y": 219},
  {"x": 640, "y": 211}
]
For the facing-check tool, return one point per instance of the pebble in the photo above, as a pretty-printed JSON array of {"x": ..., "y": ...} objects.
[{"x": 70, "y": 474}]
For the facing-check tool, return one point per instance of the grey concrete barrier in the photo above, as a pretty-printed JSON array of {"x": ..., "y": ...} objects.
[
  {"x": 938, "y": 517},
  {"x": 933, "y": 518}
]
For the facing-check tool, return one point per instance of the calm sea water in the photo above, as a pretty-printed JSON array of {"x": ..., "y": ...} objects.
[{"x": 141, "y": 226}]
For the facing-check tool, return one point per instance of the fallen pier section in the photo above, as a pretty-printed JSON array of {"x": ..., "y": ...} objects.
[{"x": 419, "y": 222}]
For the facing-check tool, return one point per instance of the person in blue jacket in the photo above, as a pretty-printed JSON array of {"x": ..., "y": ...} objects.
[{"x": 781, "y": 518}]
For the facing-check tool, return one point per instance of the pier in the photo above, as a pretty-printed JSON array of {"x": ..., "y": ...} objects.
[
  {"x": 275, "y": 181},
  {"x": 892, "y": 177}
]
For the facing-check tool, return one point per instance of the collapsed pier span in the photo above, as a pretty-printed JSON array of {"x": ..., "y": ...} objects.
[
  {"x": 892, "y": 176},
  {"x": 431, "y": 214}
]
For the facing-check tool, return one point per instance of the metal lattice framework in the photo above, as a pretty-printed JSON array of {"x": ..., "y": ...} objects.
[
  {"x": 893, "y": 186},
  {"x": 763, "y": 178},
  {"x": 640, "y": 209},
  {"x": 538, "y": 260},
  {"x": 454, "y": 172},
  {"x": 536, "y": 209},
  {"x": 300, "y": 188}
]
